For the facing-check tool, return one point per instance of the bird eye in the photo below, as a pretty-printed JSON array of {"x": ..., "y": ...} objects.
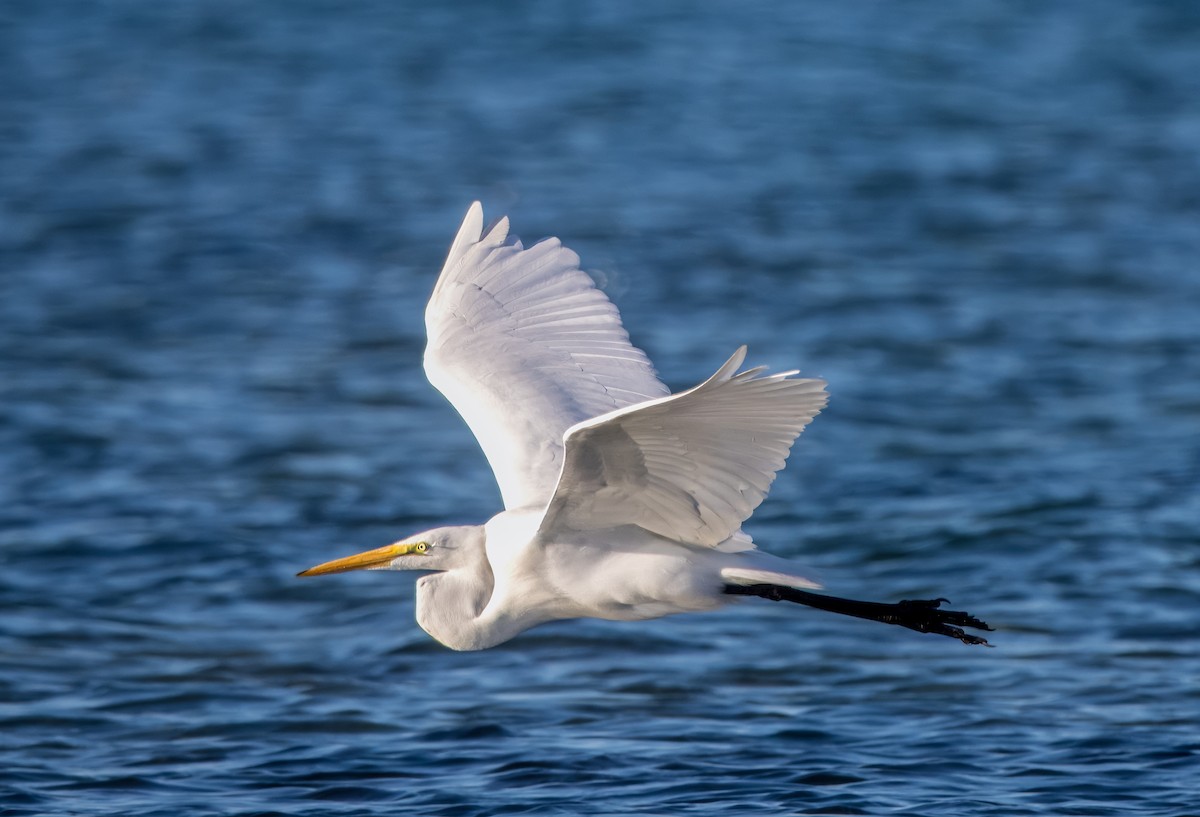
[{"x": 421, "y": 547}]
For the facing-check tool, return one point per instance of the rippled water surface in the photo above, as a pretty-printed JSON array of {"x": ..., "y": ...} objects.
[{"x": 218, "y": 226}]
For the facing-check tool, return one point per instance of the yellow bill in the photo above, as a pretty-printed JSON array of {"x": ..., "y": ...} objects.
[{"x": 369, "y": 560}]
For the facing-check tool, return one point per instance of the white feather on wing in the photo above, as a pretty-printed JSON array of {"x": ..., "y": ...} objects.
[
  {"x": 692, "y": 466},
  {"x": 524, "y": 346}
]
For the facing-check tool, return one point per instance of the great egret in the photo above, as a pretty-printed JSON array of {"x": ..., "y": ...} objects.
[{"x": 622, "y": 501}]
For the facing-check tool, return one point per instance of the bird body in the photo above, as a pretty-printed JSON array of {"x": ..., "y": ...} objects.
[
  {"x": 496, "y": 580},
  {"x": 622, "y": 501}
]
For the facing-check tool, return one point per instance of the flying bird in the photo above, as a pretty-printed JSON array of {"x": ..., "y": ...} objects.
[{"x": 622, "y": 501}]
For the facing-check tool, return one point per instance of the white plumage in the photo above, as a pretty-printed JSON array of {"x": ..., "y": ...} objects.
[
  {"x": 690, "y": 467},
  {"x": 622, "y": 501},
  {"x": 525, "y": 346}
]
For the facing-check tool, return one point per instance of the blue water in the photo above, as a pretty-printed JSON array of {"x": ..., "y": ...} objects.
[{"x": 219, "y": 223}]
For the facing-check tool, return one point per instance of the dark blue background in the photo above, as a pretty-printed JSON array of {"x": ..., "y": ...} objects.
[{"x": 219, "y": 222}]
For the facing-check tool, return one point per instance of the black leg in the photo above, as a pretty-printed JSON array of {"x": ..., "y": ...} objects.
[{"x": 922, "y": 616}]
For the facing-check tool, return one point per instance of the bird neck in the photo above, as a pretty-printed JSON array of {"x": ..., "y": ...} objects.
[
  {"x": 448, "y": 605},
  {"x": 451, "y": 603}
]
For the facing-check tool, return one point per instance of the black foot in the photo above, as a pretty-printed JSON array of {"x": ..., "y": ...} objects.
[
  {"x": 921, "y": 615},
  {"x": 925, "y": 617}
]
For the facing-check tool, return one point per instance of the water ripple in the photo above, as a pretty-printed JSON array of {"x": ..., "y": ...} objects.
[{"x": 218, "y": 225}]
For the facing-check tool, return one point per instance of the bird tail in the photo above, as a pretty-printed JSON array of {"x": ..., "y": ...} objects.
[{"x": 753, "y": 575}]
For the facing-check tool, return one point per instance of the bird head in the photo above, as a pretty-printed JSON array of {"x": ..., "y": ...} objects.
[{"x": 436, "y": 549}]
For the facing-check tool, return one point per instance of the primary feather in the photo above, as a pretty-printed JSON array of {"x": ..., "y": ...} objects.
[
  {"x": 525, "y": 346},
  {"x": 690, "y": 467}
]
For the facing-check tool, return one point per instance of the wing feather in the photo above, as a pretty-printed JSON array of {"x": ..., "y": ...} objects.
[
  {"x": 692, "y": 466},
  {"x": 524, "y": 346}
]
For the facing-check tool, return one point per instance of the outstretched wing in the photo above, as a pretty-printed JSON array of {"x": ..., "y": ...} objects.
[
  {"x": 692, "y": 466},
  {"x": 525, "y": 346}
]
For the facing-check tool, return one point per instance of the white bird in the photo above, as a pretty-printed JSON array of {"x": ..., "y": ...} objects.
[{"x": 622, "y": 501}]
